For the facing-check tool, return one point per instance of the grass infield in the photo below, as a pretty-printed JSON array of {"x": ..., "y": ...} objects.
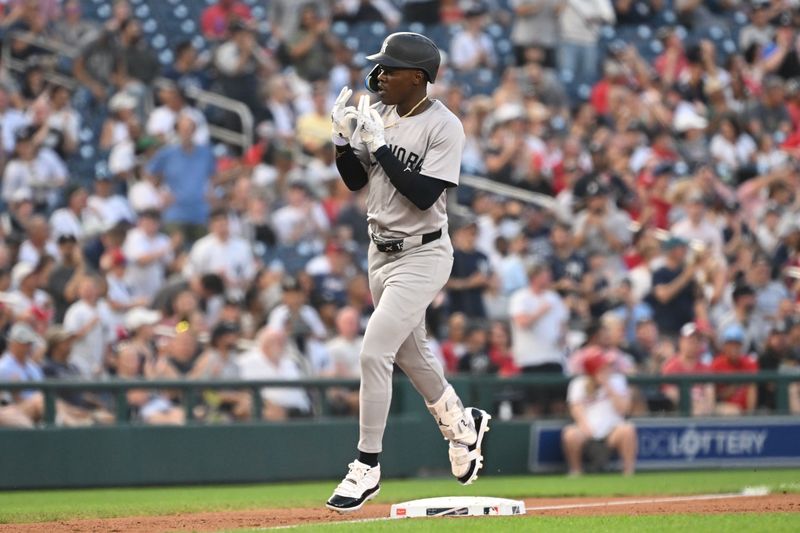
[{"x": 46, "y": 505}]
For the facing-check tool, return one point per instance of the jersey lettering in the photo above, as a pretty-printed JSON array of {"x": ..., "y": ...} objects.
[{"x": 412, "y": 161}]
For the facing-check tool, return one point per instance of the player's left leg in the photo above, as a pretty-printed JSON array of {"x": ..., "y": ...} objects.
[{"x": 464, "y": 428}]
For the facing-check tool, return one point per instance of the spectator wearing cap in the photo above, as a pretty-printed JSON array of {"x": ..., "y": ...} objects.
[
  {"x": 331, "y": 273},
  {"x": 187, "y": 169},
  {"x": 162, "y": 122},
  {"x": 34, "y": 167},
  {"x": 239, "y": 60},
  {"x": 759, "y": 31},
  {"x": 301, "y": 219},
  {"x": 118, "y": 295},
  {"x": 692, "y": 347},
  {"x": 188, "y": 69},
  {"x": 734, "y": 399},
  {"x": 309, "y": 49},
  {"x": 221, "y": 253},
  {"x": 302, "y": 325},
  {"x": 472, "y": 48},
  {"x": 16, "y": 364},
  {"x": 476, "y": 359},
  {"x": 84, "y": 321},
  {"x": 39, "y": 242},
  {"x": 774, "y": 357},
  {"x": 470, "y": 276},
  {"x": 599, "y": 401},
  {"x": 140, "y": 323},
  {"x": 697, "y": 226},
  {"x": 26, "y": 292},
  {"x": 105, "y": 208},
  {"x": 601, "y": 227},
  {"x": 743, "y": 315},
  {"x": 70, "y": 219},
  {"x": 149, "y": 253},
  {"x": 217, "y": 18},
  {"x": 218, "y": 361},
  {"x": 539, "y": 320},
  {"x": 122, "y": 124},
  {"x": 61, "y": 284},
  {"x": 273, "y": 358},
  {"x": 674, "y": 295}
]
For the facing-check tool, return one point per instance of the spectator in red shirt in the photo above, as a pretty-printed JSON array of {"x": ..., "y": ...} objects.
[
  {"x": 216, "y": 18},
  {"x": 500, "y": 349},
  {"x": 734, "y": 399},
  {"x": 691, "y": 347}
]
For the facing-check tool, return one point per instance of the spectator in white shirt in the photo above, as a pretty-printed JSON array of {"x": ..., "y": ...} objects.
[
  {"x": 11, "y": 120},
  {"x": 105, "y": 209},
  {"x": 38, "y": 244},
  {"x": 26, "y": 292},
  {"x": 149, "y": 253},
  {"x": 598, "y": 403},
  {"x": 301, "y": 218},
  {"x": 149, "y": 193},
  {"x": 538, "y": 322},
  {"x": 697, "y": 227},
  {"x": 35, "y": 167},
  {"x": 162, "y": 120},
  {"x": 272, "y": 358},
  {"x": 344, "y": 351},
  {"x": 220, "y": 253},
  {"x": 68, "y": 220},
  {"x": 472, "y": 48},
  {"x": 83, "y": 320}
]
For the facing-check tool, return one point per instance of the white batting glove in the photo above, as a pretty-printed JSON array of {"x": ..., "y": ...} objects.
[
  {"x": 343, "y": 118},
  {"x": 370, "y": 125}
]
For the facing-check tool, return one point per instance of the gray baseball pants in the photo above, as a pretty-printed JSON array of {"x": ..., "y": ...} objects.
[{"x": 403, "y": 284}]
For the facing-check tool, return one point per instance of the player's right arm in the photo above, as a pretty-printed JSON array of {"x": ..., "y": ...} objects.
[{"x": 350, "y": 168}]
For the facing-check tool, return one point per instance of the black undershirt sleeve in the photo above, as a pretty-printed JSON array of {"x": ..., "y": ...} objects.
[
  {"x": 421, "y": 190},
  {"x": 349, "y": 167}
]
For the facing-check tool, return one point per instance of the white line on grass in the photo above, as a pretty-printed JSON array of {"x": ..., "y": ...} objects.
[{"x": 615, "y": 503}]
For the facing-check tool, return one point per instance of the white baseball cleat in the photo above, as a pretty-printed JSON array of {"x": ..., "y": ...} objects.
[
  {"x": 466, "y": 460},
  {"x": 361, "y": 484}
]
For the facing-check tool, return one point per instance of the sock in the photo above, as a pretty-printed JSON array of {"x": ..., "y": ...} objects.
[{"x": 369, "y": 459}]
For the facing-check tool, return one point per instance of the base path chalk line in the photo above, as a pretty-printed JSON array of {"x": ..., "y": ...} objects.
[
  {"x": 615, "y": 503},
  {"x": 671, "y": 499}
]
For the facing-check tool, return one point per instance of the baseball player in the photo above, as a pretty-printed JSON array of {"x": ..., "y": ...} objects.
[{"x": 407, "y": 149}]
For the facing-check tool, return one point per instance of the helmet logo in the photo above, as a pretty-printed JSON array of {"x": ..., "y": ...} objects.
[{"x": 385, "y": 45}]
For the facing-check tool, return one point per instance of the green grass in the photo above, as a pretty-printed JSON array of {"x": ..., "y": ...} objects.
[
  {"x": 772, "y": 522},
  {"x": 37, "y": 506}
]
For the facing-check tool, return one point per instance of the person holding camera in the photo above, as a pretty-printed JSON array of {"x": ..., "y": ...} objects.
[{"x": 599, "y": 400}]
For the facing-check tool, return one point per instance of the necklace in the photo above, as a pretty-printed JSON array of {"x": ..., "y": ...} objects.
[{"x": 393, "y": 124}]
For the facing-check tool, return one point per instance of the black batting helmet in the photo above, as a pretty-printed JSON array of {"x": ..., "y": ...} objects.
[{"x": 405, "y": 50}]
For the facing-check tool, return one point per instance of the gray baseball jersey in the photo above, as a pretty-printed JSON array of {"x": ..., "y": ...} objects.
[{"x": 430, "y": 143}]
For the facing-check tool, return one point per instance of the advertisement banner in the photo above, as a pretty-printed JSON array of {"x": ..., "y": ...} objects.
[{"x": 686, "y": 443}]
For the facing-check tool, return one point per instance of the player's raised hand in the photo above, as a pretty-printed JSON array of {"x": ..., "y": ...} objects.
[
  {"x": 343, "y": 118},
  {"x": 370, "y": 125}
]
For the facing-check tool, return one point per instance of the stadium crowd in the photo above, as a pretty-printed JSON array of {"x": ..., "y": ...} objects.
[{"x": 666, "y": 235}]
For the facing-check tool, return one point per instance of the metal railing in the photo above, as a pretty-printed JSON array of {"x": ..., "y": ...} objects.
[
  {"x": 476, "y": 390},
  {"x": 243, "y": 139},
  {"x": 56, "y": 49}
]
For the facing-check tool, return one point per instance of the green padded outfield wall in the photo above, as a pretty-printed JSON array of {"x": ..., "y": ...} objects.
[{"x": 241, "y": 453}]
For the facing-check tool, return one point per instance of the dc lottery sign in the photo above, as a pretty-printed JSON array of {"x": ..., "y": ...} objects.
[{"x": 689, "y": 443}]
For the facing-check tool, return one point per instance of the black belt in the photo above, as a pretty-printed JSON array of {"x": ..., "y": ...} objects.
[{"x": 399, "y": 245}]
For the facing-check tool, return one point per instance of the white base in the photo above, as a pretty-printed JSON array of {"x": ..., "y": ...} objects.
[{"x": 458, "y": 506}]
